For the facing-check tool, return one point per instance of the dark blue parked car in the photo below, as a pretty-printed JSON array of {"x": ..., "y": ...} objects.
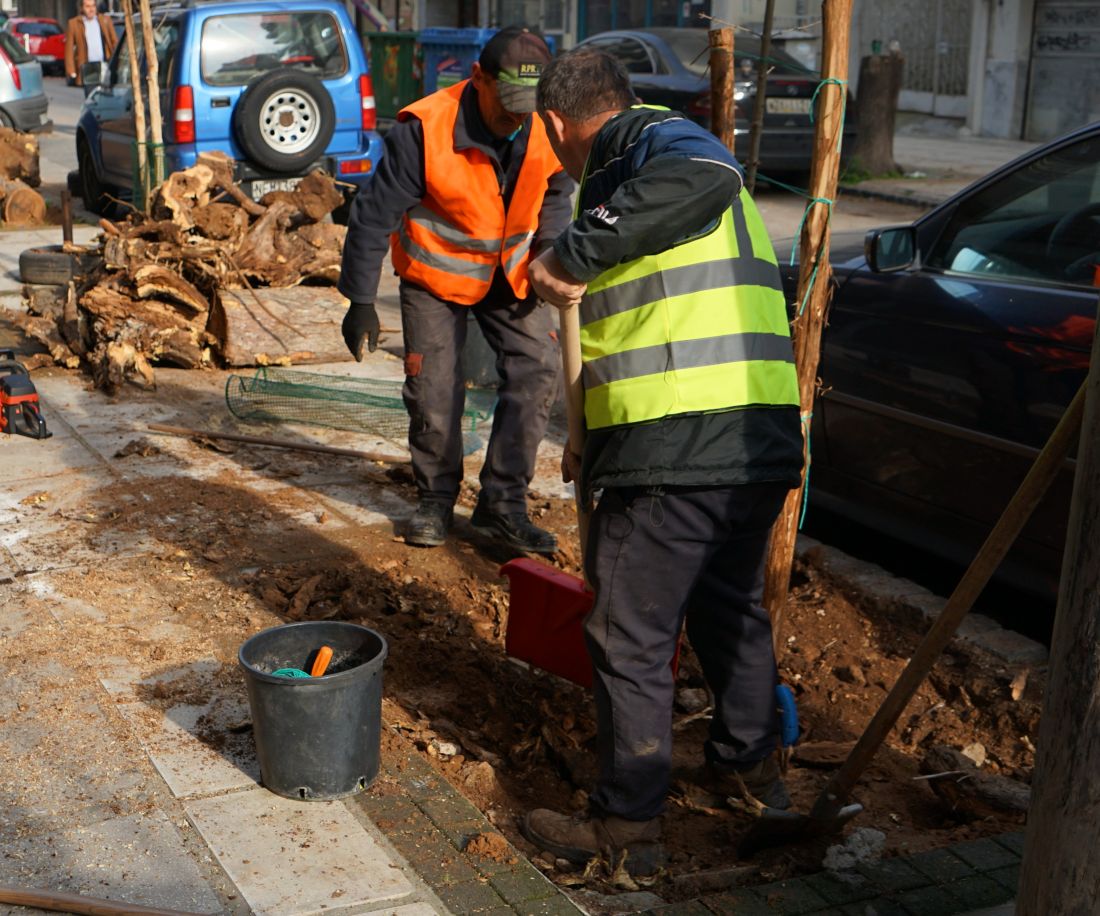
[
  {"x": 669, "y": 66},
  {"x": 283, "y": 88},
  {"x": 953, "y": 347}
]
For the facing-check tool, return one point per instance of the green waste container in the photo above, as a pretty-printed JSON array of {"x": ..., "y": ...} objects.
[{"x": 396, "y": 68}]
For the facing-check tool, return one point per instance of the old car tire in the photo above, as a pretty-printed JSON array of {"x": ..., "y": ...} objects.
[
  {"x": 48, "y": 265},
  {"x": 284, "y": 120}
]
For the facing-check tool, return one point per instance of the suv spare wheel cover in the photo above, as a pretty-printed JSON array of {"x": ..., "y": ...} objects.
[{"x": 285, "y": 120}]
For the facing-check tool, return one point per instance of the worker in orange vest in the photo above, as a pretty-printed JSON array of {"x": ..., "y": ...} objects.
[{"x": 468, "y": 192}]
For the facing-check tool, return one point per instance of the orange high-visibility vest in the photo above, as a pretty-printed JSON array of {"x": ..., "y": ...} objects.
[{"x": 456, "y": 237}]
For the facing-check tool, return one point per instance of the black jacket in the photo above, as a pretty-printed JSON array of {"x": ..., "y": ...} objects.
[
  {"x": 654, "y": 179},
  {"x": 398, "y": 185}
]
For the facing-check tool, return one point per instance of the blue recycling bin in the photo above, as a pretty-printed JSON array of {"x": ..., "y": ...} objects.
[{"x": 450, "y": 54}]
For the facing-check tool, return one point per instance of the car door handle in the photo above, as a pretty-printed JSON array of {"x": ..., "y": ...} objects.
[{"x": 222, "y": 101}]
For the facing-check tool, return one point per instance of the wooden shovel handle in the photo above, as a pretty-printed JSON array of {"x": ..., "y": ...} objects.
[
  {"x": 992, "y": 552},
  {"x": 74, "y": 903},
  {"x": 570, "y": 336}
]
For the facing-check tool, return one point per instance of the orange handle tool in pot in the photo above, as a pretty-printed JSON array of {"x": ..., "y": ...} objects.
[{"x": 320, "y": 663}]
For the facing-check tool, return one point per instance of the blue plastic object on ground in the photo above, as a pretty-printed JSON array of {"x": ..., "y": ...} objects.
[{"x": 788, "y": 715}]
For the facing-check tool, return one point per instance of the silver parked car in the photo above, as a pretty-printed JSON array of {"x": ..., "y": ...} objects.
[{"x": 23, "y": 102}]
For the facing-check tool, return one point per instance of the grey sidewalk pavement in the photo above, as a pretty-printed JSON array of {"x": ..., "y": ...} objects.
[{"x": 937, "y": 162}]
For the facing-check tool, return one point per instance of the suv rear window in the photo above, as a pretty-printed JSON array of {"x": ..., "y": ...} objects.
[{"x": 237, "y": 48}]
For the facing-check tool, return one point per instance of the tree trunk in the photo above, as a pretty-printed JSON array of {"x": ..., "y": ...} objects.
[
  {"x": 1061, "y": 867},
  {"x": 721, "y": 86},
  {"x": 139, "y": 101},
  {"x": 760, "y": 102},
  {"x": 814, "y": 287},
  {"x": 279, "y": 326},
  {"x": 876, "y": 105}
]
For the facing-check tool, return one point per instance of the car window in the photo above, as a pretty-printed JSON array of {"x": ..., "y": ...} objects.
[
  {"x": 690, "y": 48},
  {"x": 14, "y": 49},
  {"x": 1041, "y": 222},
  {"x": 41, "y": 29},
  {"x": 237, "y": 48},
  {"x": 630, "y": 52},
  {"x": 166, "y": 39}
]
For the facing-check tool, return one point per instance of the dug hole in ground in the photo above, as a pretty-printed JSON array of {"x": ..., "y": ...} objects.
[{"x": 220, "y": 541}]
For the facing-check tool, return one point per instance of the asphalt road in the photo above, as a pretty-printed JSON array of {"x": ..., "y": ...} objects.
[{"x": 57, "y": 149}]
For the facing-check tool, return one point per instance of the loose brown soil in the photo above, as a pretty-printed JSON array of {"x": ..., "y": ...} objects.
[{"x": 234, "y": 560}]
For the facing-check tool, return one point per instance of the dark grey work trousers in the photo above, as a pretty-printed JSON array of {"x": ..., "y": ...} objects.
[
  {"x": 655, "y": 557},
  {"x": 522, "y": 336}
]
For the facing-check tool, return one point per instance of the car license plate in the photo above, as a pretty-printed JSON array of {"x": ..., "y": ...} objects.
[
  {"x": 788, "y": 106},
  {"x": 262, "y": 186}
]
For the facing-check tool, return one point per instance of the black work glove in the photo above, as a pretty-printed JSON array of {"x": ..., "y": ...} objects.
[{"x": 360, "y": 322}]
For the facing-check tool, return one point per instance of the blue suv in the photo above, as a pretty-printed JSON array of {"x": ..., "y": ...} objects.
[{"x": 283, "y": 88}]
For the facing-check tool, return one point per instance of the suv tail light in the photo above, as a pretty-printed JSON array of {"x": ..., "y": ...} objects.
[
  {"x": 16, "y": 77},
  {"x": 183, "y": 115},
  {"x": 366, "y": 102}
]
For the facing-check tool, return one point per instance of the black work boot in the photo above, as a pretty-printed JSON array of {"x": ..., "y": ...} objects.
[
  {"x": 513, "y": 528},
  {"x": 580, "y": 839},
  {"x": 429, "y": 524},
  {"x": 761, "y": 781}
]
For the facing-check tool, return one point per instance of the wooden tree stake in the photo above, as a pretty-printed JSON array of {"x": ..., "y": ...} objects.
[
  {"x": 813, "y": 282},
  {"x": 135, "y": 84},
  {"x": 152, "y": 78},
  {"x": 1061, "y": 867},
  {"x": 721, "y": 85}
]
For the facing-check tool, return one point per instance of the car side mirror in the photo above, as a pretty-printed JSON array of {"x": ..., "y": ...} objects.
[
  {"x": 889, "y": 250},
  {"x": 95, "y": 74}
]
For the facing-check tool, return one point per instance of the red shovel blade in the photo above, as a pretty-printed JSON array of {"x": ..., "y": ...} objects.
[
  {"x": 545, "y": 616},
  {"x": 546, "y": 620}
]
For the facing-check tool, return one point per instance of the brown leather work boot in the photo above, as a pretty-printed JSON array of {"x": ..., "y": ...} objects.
[
  {"x": 761, "y": 781},
  {"x": 580, "y": 839}
]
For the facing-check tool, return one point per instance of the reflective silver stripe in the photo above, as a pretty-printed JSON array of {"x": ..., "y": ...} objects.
[
  {"x": 444, "y": 262},
  {"x": 679, "y": 281},
  {"x": 436, "y": 224},
  {"x": 512, "y": 261},
  {"x": 687, "y": 354},
  {"x": 741, "y": 229}
]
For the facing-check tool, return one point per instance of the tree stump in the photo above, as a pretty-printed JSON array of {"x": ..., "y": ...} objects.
[
  {"x": 876, "y": 106},
  {"x": 24, "y": 207},
  {"x": 19, "y": 157}
]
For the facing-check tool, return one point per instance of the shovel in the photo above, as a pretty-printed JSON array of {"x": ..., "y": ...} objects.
[
  {"x": 547, "y": 606},
  {"x": 831, "y": 811}
]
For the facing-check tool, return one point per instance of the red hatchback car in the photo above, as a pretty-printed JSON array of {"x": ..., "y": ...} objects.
[{"x": 44, "y": 39}]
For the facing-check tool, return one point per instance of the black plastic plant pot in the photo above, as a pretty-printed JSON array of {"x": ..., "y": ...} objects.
[{"x": 316, "y": 737}]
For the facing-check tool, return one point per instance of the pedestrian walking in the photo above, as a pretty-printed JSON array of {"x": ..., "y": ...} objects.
[
  {"x": 468, "y": 191},
  {"x": 693, "y": 438},
  {"x": 90, "y": 38}
]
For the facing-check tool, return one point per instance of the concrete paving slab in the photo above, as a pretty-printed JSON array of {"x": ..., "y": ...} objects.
[
  {"x": 294, "y": 858},
  {"x": 192, "y": 747},
  {"x": 139, "y": 859}
]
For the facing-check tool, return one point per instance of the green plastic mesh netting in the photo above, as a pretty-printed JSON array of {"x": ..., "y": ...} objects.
[{"x": 338, "y": 402}]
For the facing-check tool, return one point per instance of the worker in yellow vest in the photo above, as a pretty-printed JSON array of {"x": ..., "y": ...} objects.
[
  {"x": 693, "y": 437},
  {"x": 467, "y": 193}
]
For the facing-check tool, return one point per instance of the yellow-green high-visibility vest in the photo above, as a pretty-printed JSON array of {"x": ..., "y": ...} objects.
[{"x": 700, "y": 327}]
